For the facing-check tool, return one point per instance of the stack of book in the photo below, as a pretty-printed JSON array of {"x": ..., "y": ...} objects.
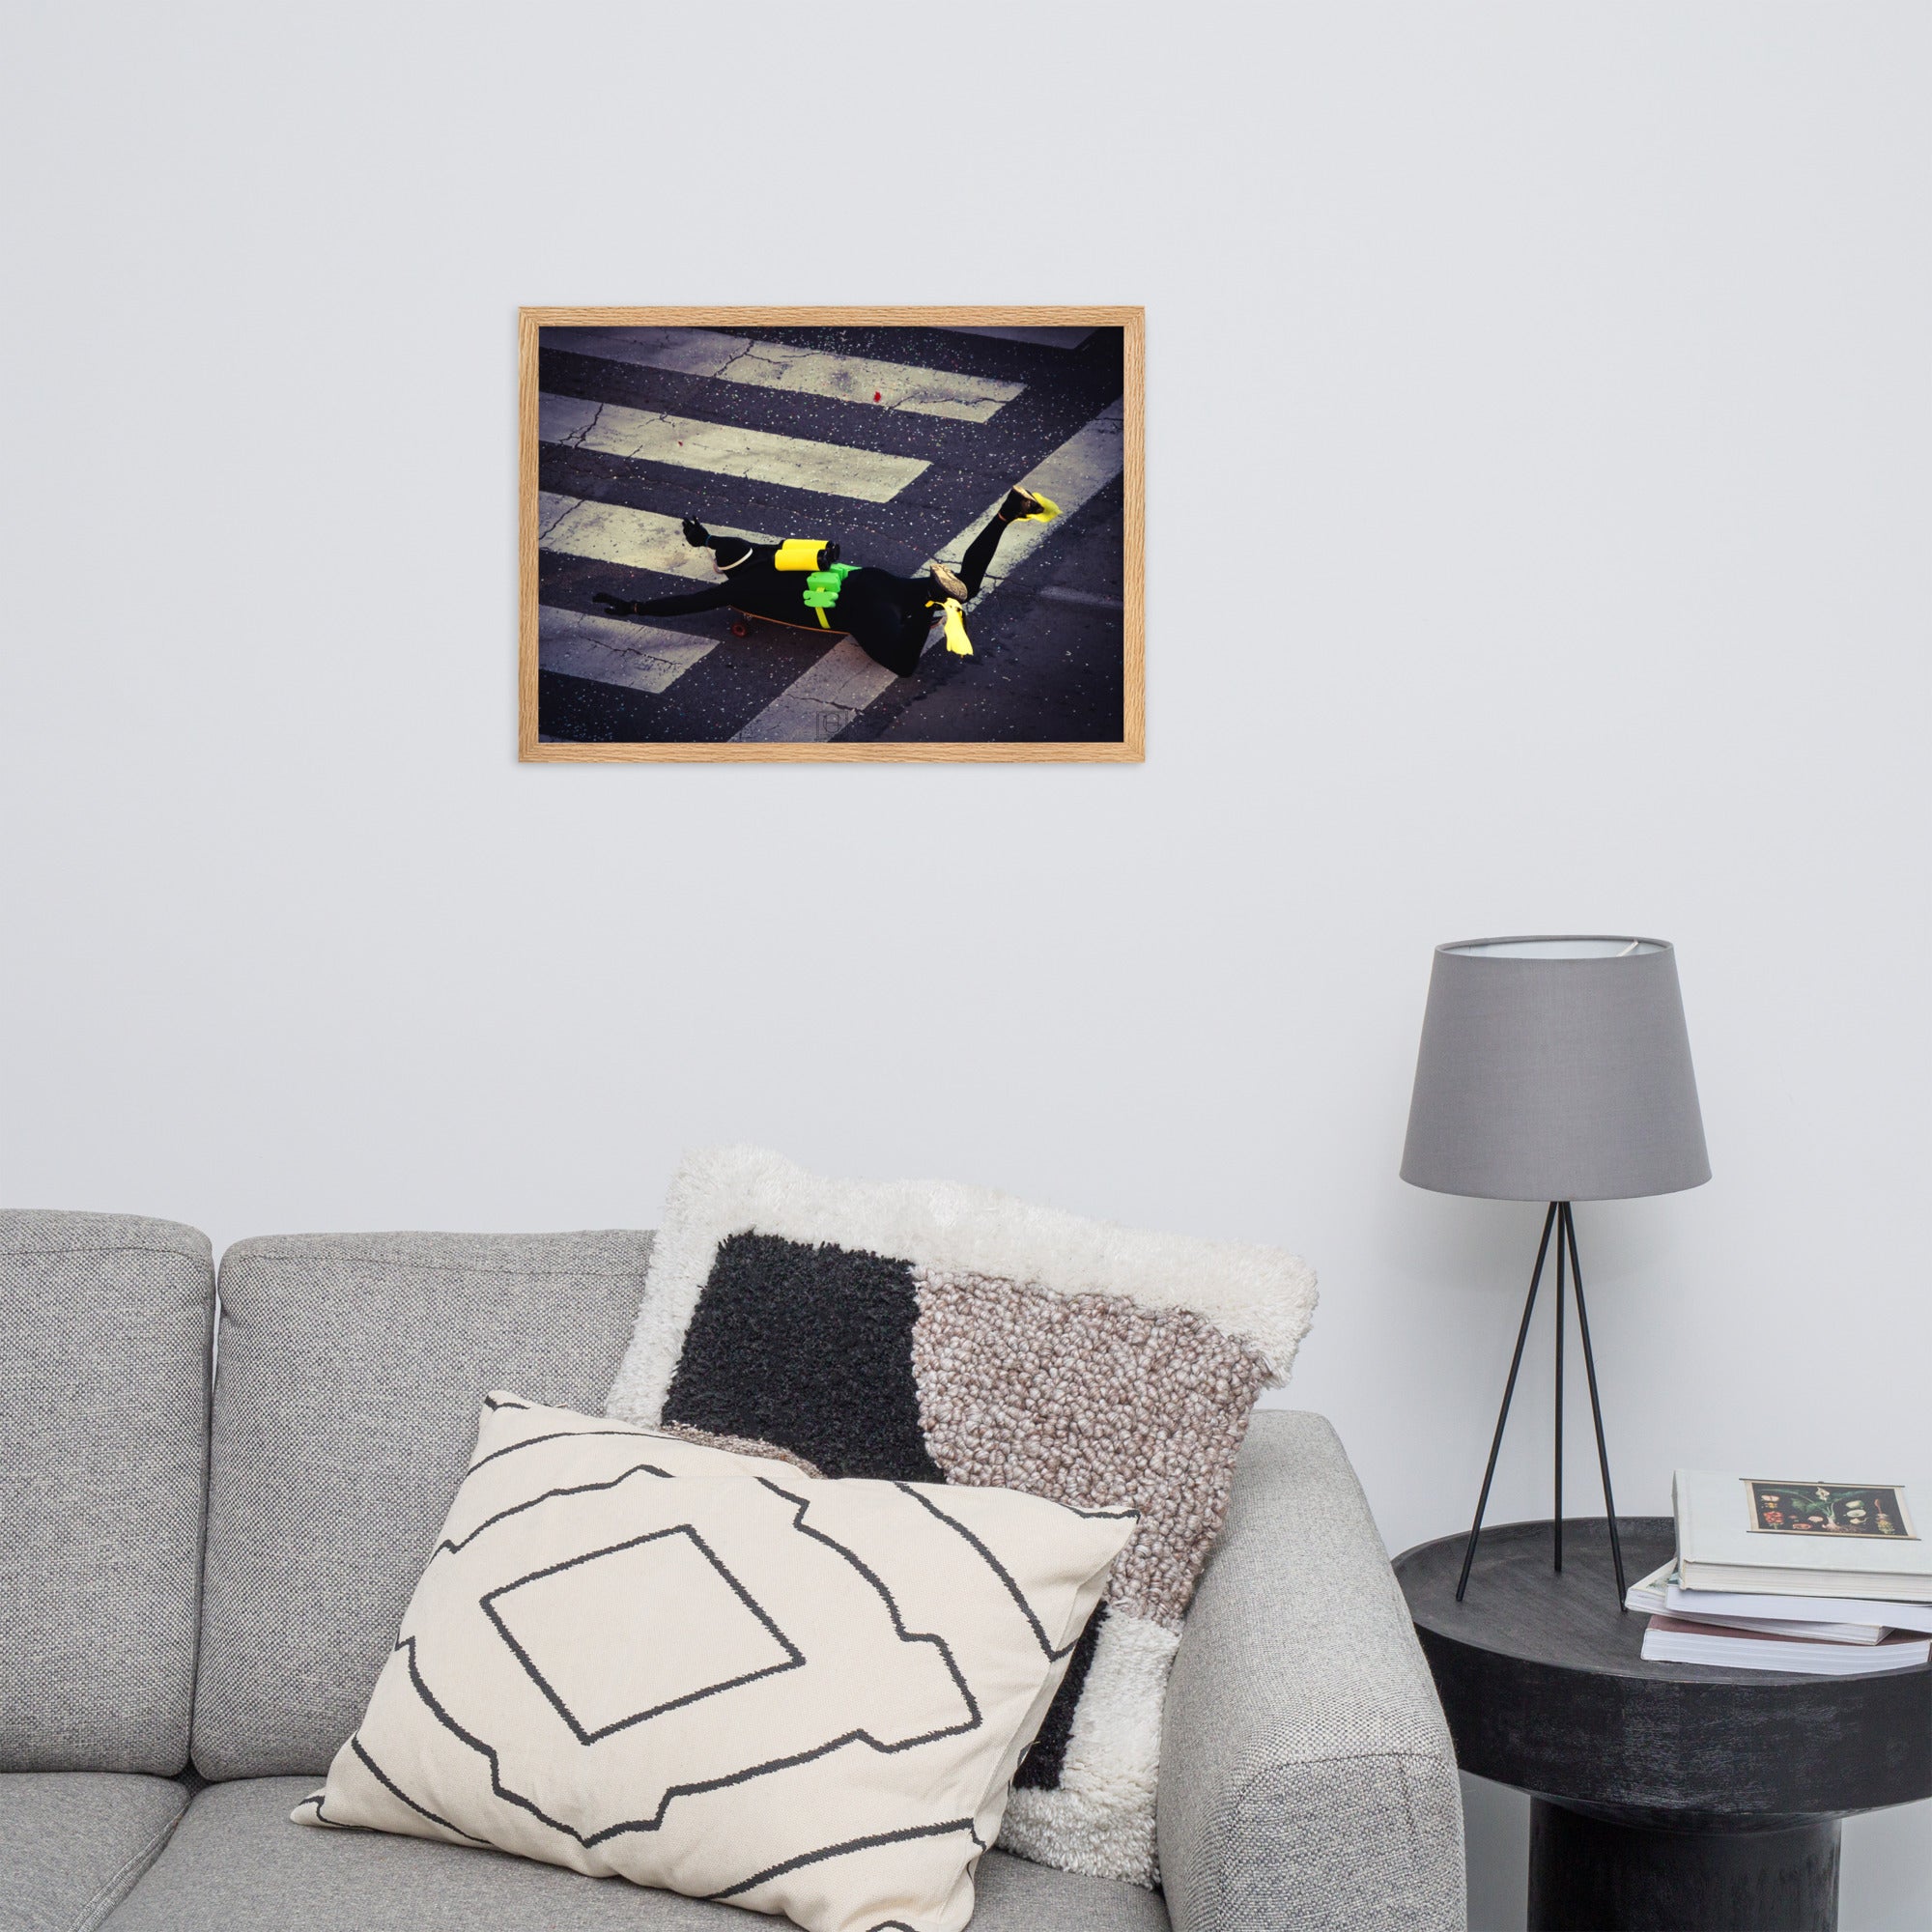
[{"x": 1828, "y": 1579}]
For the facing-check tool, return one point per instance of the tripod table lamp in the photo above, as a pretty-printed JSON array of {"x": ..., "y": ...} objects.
[{"x": 1554, "y": 1069}]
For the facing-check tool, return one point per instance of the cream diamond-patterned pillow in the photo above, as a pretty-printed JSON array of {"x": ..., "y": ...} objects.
[{"x": 638, "y": 1655}]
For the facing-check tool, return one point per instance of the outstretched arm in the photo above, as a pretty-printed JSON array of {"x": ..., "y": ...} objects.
[{"x": 712, "y": 597}]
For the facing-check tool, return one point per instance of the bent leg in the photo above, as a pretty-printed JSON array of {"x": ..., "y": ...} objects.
[
  {"x": 1019, "y": 505},
  {"x": 980, "y": 555}
]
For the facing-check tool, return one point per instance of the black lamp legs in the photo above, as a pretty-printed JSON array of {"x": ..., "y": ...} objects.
[
  {"x": 1556, "y": 1485},
  {"x": 1595, "y": 1407},
  {"x": 1509, "y": 1389},
  {"x": 1562, "y": 1223}
]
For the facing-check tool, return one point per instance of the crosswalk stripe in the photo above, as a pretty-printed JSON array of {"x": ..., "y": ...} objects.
[
  {"x": 818, "y": 705},
  {"x": 1082, "y": 467},
  {"x": 725, "y": 449},
  {"x": 779, "y": 365},
  {"x": 614, "y": 650},
  {"x": 617, "y": 533},
  {"x": 1044, "y": 338}
]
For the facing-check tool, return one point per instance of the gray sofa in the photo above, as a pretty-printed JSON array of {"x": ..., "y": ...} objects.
[{"x": 200, "y": 1575}]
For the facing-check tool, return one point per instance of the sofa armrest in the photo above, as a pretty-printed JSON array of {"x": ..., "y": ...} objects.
[{"x": 1307, "y": 1779}]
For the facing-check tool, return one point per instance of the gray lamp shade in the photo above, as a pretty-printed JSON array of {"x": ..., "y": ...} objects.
[{"x": 1556, "y": 1069}]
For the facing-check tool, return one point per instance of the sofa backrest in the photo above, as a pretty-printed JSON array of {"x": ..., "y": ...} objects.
[
  {"x": 104, "y": 1331},
  {"x": 352, "y": 1370}
]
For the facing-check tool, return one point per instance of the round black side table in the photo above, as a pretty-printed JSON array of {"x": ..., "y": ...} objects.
[{"x": 1669, "y": 1797}]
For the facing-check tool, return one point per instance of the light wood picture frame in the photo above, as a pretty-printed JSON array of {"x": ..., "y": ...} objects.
[{"x": 762, "y": 425}]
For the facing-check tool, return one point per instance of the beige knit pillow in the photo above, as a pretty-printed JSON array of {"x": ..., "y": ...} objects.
[{"x": 635, "y": 1655}]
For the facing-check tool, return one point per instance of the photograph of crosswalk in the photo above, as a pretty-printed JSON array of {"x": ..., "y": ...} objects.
[{"x": 664, "y": 450}]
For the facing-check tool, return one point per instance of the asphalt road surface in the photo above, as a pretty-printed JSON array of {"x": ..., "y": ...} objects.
[{"x": 896, "y": 442}]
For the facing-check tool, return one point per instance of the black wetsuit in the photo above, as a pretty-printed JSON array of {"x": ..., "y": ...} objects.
[{"x": 888, "y": 617}]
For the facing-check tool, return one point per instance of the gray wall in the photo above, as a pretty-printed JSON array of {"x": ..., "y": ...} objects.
[{"x": 1538, "y": 511}]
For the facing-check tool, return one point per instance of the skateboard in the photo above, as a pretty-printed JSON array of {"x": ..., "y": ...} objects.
[{"x": 743, "y": 620}]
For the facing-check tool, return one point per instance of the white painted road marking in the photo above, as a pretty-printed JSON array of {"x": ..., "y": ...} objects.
[
  {"x": 1082, "y": 467},
  {"x": 819, "y": 703},
  {"x": 809, "y": 372},
  {"x": 724, "y": 450},
  {"x": 1046, "y": 338},
  {"x": 614, "y": 533},
  {"x": 615, "y": 650},
  {"x": 815, "y": 707}
]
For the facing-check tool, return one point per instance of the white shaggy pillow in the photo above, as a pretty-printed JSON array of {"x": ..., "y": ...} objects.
[
  {"x": 639, "y": 1656},
  {"x": 927, "y": 1332}
]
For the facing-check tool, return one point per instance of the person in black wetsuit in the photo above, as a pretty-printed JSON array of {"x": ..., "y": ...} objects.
[{"x": 888, "y": 616}]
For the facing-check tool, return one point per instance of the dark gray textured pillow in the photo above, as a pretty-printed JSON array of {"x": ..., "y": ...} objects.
[
  {"x": 352, "y": 1370},
  {"x": 103, "y": 1411}
]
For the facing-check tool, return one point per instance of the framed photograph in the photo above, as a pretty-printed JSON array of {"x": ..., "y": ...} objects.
[{"x": 831, "y": 534}]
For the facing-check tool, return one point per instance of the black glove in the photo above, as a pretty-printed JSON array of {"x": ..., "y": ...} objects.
[
  {"x": 620, "y": 607},
  {"x": 695, "y": 534}
]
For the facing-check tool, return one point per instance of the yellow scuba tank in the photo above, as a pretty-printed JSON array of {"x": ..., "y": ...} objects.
[{"x": 805, "y": 553}]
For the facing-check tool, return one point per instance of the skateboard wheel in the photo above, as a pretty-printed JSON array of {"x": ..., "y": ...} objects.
[{"x": 740, "y": 629}]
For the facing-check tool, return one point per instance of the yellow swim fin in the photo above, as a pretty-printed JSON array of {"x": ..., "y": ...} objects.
[{"x": 956, "y": 639}]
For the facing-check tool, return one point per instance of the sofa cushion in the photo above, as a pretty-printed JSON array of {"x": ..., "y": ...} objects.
[
  {"x": 104, "y": 1409},
  {"x": 71, "y": 1842},
  {"x": 352, "y": 1368},
  {"x": 236, "y": 1864}
]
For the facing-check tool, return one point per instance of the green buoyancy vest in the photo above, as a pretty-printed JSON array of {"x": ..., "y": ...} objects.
[{"x": 822, "y": 589}]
